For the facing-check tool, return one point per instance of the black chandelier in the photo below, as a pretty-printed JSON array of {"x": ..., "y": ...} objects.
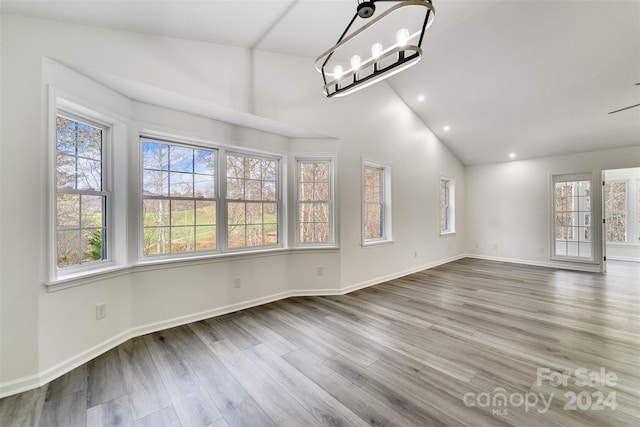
[{"x": 410, "y": 18}]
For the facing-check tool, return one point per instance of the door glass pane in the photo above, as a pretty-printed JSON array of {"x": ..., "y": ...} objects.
[{"x": 572, "y": 219}]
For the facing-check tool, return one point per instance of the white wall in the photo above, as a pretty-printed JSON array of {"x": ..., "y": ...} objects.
[
  {"x": 377, "y": 125},
  {"x": 508, "y": 204},
  {"x": 45, "y": 333}
]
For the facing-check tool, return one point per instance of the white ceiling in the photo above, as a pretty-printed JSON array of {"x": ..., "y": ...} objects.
[{"x": 536, "y": 78}]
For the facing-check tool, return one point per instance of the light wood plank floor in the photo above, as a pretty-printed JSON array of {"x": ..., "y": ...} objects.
[{"x": 439, "y": 347}]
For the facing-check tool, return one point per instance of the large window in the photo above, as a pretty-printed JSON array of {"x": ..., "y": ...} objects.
[
  {"x": 179, "y": 198},
  {"x": 615, "y": 207},
  {"x": 447, "y": 206},
  {"x": 572, "y": 216},
  {"x": 315, "y": 201},
  {"x": 252, "y": 201},
  {"x": 82, "y": 196},
  {"x": 376, "y": 203}
]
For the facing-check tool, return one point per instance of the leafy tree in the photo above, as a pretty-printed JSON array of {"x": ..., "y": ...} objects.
[{"x": 95, "y": 245}]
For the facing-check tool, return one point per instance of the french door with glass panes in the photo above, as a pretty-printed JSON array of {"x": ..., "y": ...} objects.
[{"x": 573, "y": 217}]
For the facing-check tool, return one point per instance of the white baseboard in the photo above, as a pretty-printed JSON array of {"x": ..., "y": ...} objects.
[
  {"x": 589, "y": 268},
  {"x": 383, "y": 279},
  {"x": 33, "y": 381},
  {"x": 622, "y": 258},
  {"x": 19, "y": 385}
]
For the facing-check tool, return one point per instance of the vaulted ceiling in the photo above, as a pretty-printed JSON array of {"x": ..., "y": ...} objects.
[{"x": 535, "y": 78}]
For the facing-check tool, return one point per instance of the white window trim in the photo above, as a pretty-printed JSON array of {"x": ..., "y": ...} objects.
[
  {"x": 452, "y": 206},
  {"x": 332, "y": 202},
  {"x": 59, "y": 105},
  {"x": 387, "y": 236}
]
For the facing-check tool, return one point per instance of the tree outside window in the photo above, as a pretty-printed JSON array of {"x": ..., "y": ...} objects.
[
  {"x": 314, "y": 201},
  {"x": 252, "y": 201},
  {"x": 179, "y": 198},
  {"x": 373, "y": 203},
  {"x": 615, "y": 205},
  {"x": 81, "y": 199},
  {"x": 572, "y": 217}
]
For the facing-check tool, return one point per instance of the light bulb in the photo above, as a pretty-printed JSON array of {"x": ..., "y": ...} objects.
[
  {"x": 355, "y": 62},
  {"x": 337, "y": 71},
  {"x": 402, "y": 36},
  {"x": 376, "y": 50}
]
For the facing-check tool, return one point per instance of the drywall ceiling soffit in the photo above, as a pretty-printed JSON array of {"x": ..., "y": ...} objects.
[
  {"x": 532, "y": 77},
  {"x": 148, "y": 94}
]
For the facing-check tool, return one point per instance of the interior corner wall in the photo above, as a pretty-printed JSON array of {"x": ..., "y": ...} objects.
[
  {"x": 46, "y": 333},
  {"x": 21, "y": 219},
  {"x": 373, "y": 124},
  {"x": 508, "y": 204}
]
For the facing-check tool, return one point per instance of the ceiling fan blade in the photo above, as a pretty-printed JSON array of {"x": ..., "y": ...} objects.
[{"x": 625, "y": 108}]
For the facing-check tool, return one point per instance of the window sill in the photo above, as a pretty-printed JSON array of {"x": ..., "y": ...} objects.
[
  {"x": 85, "y": 277},
  {"x": 104, "y": 273},
  {"x": 145, "y": 264},
  {"x": 376, "y": 243},
  {"x": 447, "y": 233}
]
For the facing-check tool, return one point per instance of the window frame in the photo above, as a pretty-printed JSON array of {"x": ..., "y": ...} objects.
[
  {"x": 331, "y": 201},
  {"x": 386, "y": 203},
  {"x": 450, "y": 206},
  {"x": 595, "y": 218},
  {"x": 178, "y": 142},
  {"x": 280, "y": 168},
  {"x": 626, "y": 211},
  {"x": 77, "y": 113},
  {"x": 222, "y": 150}
]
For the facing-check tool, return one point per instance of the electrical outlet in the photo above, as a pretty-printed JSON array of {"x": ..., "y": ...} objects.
[
  {"x": 101, "y": 311},
  {"x": 540, "y": 250},
  {"x": 415, "y": 254},
  {"x": 236, "y": 282},
  {"x": 477, "y": 245},
  {"x": 320, "y": 270},
  {"x": 495, "y": 246}
]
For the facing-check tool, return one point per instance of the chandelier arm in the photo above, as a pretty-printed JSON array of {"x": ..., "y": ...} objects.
[
  {"x": 424, "y": 26},
  {"x": 344, "y": 33}
]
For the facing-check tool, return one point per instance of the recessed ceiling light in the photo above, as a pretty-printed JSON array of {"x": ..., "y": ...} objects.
[
  {"x": 512, "y": 155},
  {"x": 420, "y": 98},
  {"x": 446, "y": 128}
]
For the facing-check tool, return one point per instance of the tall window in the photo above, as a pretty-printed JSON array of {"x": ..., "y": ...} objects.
[
  {"x": 252, "y": 201},
  {"x": 179, "y": 198},
  {"x": 376, "y": 209},
  {"x": 615, "y": 207},
  {"x": 82, "y": 195},
  {"x": 572, "y": 216},
  {"x": 315, "y": 209},
  {"x": 447, "y": 206}
]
